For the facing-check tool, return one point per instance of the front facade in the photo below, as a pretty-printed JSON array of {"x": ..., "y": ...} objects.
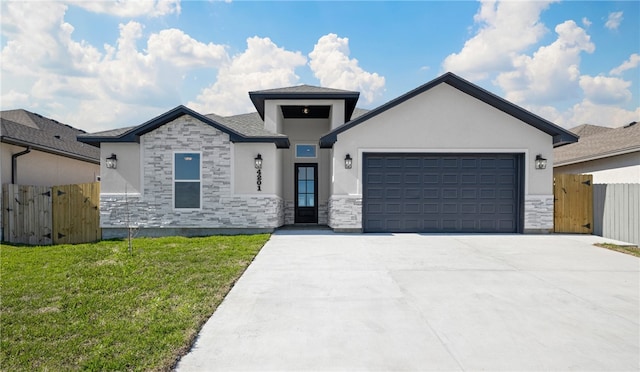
[{"x": 445, "y": 157}]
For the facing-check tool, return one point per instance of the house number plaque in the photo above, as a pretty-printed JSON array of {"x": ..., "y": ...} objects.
[{"x": 259, "y": 179}]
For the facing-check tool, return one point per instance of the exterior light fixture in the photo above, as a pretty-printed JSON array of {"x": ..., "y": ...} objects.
[
  {"x": 258, "y": 161},
  {"x": 305, "y": 111},
  {"x": 112, "y": 161},
  {"x": 541, "y": 163},
  {"x": 348, "y": 162}
]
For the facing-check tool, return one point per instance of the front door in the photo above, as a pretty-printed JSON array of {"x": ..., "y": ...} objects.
[{"x": 306, "y": 193}]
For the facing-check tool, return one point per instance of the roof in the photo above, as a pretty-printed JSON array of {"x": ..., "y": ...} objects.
[
  {"x": 560, "y": 136},
  {"x": 598, "y": 142},
  {"x": 24, "y": 128},
  {"x": 240, "y": 128},
  {"x": 305, "y": 92}
]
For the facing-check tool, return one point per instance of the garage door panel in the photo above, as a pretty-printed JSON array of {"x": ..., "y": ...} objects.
[{"x": 441, "y": 192}]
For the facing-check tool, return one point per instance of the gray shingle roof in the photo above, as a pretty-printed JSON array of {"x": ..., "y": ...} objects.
[
  {"x": 24, "y": 128},
  {"x": 249, "y": 124},
  {"x": 598, "y": 142},
  {"x": 302, "y": 89}
]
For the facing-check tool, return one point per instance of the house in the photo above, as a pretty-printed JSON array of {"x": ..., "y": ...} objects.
[
  {"x": 38, "y": 151},
  {"x": 43, "y": 152},
  {"x": 611, "y": 155},
  {"x": 447, "y": 156}
]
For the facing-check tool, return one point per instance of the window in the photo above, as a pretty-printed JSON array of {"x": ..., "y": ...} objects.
[
  {"x": 186, "y": 186},
  {"x": 305, "y": 151}
]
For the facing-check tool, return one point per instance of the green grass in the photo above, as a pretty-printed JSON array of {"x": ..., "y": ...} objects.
[
  {"x": 628, "y": 249},
  {"x": 95, "y": 307}
]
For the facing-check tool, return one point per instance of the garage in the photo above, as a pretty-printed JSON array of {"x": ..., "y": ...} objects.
[{"x": 429, "y": 192}]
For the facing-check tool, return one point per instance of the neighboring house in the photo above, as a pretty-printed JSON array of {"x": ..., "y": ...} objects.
[
  {"x": 611, "y": 155},
  {"x": 38, "y": 151},
  {"x": 446, "y": 157},
  {"x": 55, "y": 157}
]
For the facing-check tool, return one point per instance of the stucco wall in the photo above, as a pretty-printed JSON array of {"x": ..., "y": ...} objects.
[
  {"x": 615, "y": 169},
  {"x": 127, "y": 176},
  {"x": 44, "y": 169},
  {"x": 220, "y": 207},
  {"x": 245, "y": 173},
  {"x": 445, "y": 120}
]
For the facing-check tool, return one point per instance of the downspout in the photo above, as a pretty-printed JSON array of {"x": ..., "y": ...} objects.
[{"x": 14, "y": 163}]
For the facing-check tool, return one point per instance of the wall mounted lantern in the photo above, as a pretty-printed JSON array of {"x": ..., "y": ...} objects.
[
  {"x": 541, "y": 163},
  {"x": 258, "y": 161},
  {"x": 348, "y": 162},
  {"x": 112, "y": 161}
]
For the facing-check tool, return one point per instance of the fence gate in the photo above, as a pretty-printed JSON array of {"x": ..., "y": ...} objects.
[
  {"x": 26, "y": 214},
  {"x": 573, "y": 203},
  {"x": 76, "y": 218},
  {"x": 41, "y": 215}
]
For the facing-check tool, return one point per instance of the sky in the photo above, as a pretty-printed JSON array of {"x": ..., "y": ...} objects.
[{"x": 99, "y": 65}]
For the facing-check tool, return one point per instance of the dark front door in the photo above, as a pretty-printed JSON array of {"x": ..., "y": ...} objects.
[{"x": 306, "y": 193}]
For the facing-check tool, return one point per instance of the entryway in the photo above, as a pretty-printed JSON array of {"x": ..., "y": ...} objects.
[{"x": 306, "y": 193}]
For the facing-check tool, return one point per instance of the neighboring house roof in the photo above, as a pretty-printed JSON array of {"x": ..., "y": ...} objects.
[
  {"x": 301, "y": 92},
  {"x": 28, "y": 129},
  {"x": 598, "y": 142},
  {"x": 240, "y": 128},
  {"x": 560, "y": 136}
]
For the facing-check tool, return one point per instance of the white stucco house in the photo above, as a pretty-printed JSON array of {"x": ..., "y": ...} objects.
[
  {"x": 611, "y": 155},
  {"x": 447, "y": 156}
]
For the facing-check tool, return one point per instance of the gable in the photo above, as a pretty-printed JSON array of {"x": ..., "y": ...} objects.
[
  {"x": 444, "y": 118},
  {"x": 133, "y": 134},
  {"x": 560, "y": 136}
]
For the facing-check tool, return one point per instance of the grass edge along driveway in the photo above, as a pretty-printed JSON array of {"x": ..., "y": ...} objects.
[{"x": 95, "y": 306}]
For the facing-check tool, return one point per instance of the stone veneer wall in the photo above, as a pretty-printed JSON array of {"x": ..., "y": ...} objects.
[
  {"x": 289, "y": 213},
  {"x": 538, "y": 213},
  {"x": 345, "y": 213},
  {"x": 220, "y": 209}
]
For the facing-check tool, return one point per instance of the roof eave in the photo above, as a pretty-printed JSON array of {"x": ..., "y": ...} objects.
[
  {"x": 17, "y": 142},
  {"x": 603, "y": 155},
  {"x": 351, "y": 99}
]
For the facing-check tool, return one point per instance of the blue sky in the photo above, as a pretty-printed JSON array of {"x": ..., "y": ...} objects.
[{"x": 103, "y": 65}]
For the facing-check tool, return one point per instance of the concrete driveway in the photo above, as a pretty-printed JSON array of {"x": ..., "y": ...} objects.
[{"x": 408, "y": 302}]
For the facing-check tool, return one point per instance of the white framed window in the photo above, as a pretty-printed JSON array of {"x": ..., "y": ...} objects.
[
  {"x": 305, "y": 151},
  {"x": 187, "y": 182}
]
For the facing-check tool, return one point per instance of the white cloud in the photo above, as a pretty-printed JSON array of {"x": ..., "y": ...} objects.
[
  {"x": 629, "y": 64},
  {"x": 587, "y": 112},
  {"x": 614, "y": 20},
  {"x": 174, "y": 46},
  {"x": 263, "y": 65},
  {"x": 42, "y": 60},
  {"x": 331, "y": 64},
  {"x": 586, "y": 22},
  {"x": 552, "y": 73},
  {"x": 506, "y": 28},
  {"x": 605, "y": 90},
  {"x": 127, "y": 9},
  {"x": 13, "y": 99}
]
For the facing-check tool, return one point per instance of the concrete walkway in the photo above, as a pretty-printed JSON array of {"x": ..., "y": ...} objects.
[{"x": 319, "y": 301}]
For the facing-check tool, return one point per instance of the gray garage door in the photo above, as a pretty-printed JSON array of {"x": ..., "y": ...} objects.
[{"x": 442, "y": 193}]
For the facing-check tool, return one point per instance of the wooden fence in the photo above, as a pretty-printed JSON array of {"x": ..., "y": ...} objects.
[
  {"x": 573, "y": 203},
  {"x": 616, "y": 211},
  {"x": 43, "y": 215}
]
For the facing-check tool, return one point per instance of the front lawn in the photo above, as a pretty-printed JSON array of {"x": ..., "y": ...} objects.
[
  {"x": 628, "y": 249},
  {"x": 96, "y": 307}
]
